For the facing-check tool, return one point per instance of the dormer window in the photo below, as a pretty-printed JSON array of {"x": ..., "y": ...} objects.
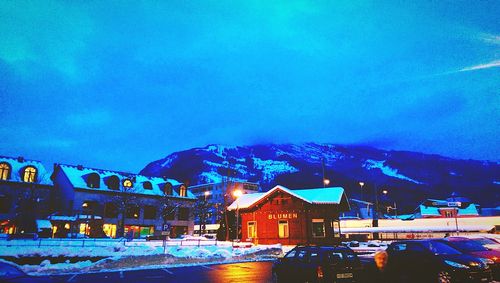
[
  {"x": 147, "y": 185},
  {"x": 93, "y": 180},
  {"x": 29, "y": 174},
  {"x": 182, "y": 191},
  {"x": 113, "y": 182},
  {"x": 167, "y": 189},
  {"x": 4, "y": 171},
  {"x": 127, "y": 183}
]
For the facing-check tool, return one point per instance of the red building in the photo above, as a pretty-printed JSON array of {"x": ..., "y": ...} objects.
[{"x": 291, "y": 217}]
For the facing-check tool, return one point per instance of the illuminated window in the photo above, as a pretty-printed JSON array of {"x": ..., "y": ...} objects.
[
  {"x": 127, "y": 183},
  {"x": 167, "y": 189},
  {"x": 252, "y": 229},
  {"x": 182, "y": 191},
  {"x": 147, "y": 185},
  {"x": 93, "y": 180},
  {"x": 109, "y": 230},
  {"x": 318, "y": 228},
  {"x": 283, "y": 229},
  {"x": 29, "y": 175},
  {"x": 4, "y": 171}
]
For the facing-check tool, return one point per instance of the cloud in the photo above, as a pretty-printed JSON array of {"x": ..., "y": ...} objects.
[
  {"x": 89, "y": 119},
  {"x": 492, "y": 64}
]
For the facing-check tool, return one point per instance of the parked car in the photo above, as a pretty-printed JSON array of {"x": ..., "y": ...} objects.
[
  {"x": 434, "y": 261},
  {"x": 474, "y": 248},
  {"x": 318, "y": 264}
]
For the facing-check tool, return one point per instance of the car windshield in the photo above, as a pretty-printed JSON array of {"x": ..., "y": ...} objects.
[
  {"x": 439, "y": 248},
  {"x": 468, "y": 246}
]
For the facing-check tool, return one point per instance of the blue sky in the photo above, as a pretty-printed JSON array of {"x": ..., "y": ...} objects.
[{"x": 117, "y": 84}]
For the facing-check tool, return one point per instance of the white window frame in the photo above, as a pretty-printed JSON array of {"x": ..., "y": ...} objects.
[
  {"x": 254, "y": 227},
  {"x": 318, "y": 220},
  {"x": 286, "y": 229}
]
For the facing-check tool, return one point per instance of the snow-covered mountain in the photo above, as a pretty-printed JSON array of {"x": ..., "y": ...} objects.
[{"x": 409, "y": 177}]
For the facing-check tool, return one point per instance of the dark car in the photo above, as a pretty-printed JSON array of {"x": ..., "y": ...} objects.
[
  {"x": 318, "y": 264},
  {"x": 9, "y": 273},
  {"x": 434, "y": 261},
  {"x": 476, "y": 249}
]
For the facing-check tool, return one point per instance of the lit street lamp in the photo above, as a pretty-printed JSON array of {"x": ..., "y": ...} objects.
[
  {"x": 361, "y": 184},
  {"x": 237, "y": 194},
  {"x": 326, "y": 182}
]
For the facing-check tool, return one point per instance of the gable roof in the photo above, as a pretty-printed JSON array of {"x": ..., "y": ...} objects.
[
  {"x": 77, "y": 176},
  {"x": 333, "y": 195},
  {"x": 471, "y": 209},
  {"x": 17, "y": 165}
]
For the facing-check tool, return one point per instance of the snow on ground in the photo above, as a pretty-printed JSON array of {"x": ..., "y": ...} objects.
[{"x": 137, "y": 255}]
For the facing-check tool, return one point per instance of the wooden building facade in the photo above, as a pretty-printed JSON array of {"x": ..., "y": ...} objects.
[{"x": 290, "y": 217}]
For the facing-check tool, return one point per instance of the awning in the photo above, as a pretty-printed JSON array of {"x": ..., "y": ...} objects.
[{"x": 43, "y": 224}]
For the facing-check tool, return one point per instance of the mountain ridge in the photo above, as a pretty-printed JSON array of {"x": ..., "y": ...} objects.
[{"x": 410, "y": 177}]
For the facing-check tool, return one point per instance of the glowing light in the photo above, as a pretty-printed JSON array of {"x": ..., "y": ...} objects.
[
  {"x": 237, "y": 193},
  {"x": 326, "y": 182}
]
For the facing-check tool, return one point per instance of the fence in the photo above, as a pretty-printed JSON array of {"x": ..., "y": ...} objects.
[{"x": 62, "y": 242}]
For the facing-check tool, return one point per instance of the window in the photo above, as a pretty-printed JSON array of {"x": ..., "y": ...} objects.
[
  {"x": 318, "y": 228},
  {"x": 169, "y": 213},
  {"x": 147, "y": 185},
  {"x": 133, "y": 211},
  {"x": 127, "y": 183},
  {"x": 167, "y": 189},
  {"x": 291, "y": 254},
  {"x": 182, "y": 191},
  {"x": 283, "y": 229},
  {"x": 4, "y": 204},
  {"x": 113, "y": 182},
  {"x": 149, "y": 212},
  {"x": 252, "y": 229},
  {"x": 183, "y": 213},
  {"x": 93, "y": 180},
  {"x": 89, "y": 207},
  {"x": 4, "y": 171},
  {"x": 29, "y": 174},
  {"x": 110, "y": 210}
]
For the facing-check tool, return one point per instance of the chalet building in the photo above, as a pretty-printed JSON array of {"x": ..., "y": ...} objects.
[
  {"x": 93, "y": 198},
  {"x": 218, "y": 195},
  {"x": 26, "y": 196},
  {"x": 291, "y": 217}
]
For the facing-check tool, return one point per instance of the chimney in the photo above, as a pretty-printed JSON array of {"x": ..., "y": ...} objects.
[
  {"x": 20, "y": 159},
  {"x": 79, "y": 167}
]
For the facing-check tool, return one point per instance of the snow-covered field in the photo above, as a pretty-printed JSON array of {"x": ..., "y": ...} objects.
[{"x": 136, "y": 255}]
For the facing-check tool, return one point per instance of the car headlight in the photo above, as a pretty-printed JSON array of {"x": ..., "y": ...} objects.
[
  {"x": 455, "y": 264},
  {"x": 487, "y": 261}
]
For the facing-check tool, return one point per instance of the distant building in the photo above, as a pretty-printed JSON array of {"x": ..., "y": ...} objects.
[
  {"x": 88, "y": 196},
  {"x": 360, "y": 209},
  {"x": 26, "y": 196},
  {"x": 215, "y": 193},
  {"x": 291, "y": 217},
  {"x": 434, "y": 208}
]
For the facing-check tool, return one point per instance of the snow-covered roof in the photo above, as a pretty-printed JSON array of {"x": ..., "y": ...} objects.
[
  {"x": 435, "y": 211},
  {"x": 17, "y": 166},
  {"x": 331, "y": 195},
  {"x": 78, "y": 175}
]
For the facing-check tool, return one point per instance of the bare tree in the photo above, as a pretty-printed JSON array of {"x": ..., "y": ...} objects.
[{"x": 124, "y": 200}]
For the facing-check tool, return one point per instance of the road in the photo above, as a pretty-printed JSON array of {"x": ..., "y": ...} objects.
[{"x": 234, "y": 272}]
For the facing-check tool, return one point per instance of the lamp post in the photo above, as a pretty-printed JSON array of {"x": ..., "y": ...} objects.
[
  {"x": 237, "y": 194},
  {"x": 204, "y": 213},
  {"x": 361, "y": 184}
]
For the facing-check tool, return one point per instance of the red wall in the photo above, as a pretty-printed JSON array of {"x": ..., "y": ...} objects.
[{"x": 299, "y": 215}]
